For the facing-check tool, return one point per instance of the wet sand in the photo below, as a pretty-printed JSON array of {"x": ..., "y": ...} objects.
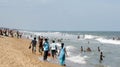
[{"x": 15, "y": 53}]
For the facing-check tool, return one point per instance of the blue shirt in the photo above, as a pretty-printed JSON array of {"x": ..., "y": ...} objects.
[{"x": 46, "y": 46}]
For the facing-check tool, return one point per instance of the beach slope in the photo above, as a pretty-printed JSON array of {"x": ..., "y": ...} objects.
[{"x": 15, "y": 53}]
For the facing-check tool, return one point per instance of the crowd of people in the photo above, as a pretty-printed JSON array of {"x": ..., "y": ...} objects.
[
  {"x": 44, "y": 48},
  {"x": 10, "y": 32}
]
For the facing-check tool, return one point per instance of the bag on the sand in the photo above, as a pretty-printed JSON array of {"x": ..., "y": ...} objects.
[
  {"x": 49, "y": 54},
  {"x": 29, "y": 47}
]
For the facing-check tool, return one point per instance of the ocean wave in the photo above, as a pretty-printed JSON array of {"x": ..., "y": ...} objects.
[
  {"x": 110, "y": 41},
  {"x": 91, "y": 36},
  {"x": 67, "y": 36},
  {"x": 102, "y": 39}
]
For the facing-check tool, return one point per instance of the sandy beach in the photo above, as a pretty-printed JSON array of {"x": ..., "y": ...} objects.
[{"x": 15, "y": 53}]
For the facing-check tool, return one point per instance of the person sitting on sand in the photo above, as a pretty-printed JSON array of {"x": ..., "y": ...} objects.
[
  {"x": 34, "y": 43},
  {"x": 88, "y": 49},
  {"x": 101, "y": 57},
  {"x": 62, "y": 54}
]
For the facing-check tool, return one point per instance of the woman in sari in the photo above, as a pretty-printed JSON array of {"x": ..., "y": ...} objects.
[{"x": 61, "y": 55}]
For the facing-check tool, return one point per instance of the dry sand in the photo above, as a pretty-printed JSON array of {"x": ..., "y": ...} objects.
[{"x": 15, "y": 53}]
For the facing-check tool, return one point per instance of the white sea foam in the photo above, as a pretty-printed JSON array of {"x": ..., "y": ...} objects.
[
  {"x": 69, "y": 36},
  {"x": 71, "y": 50},
  {"x": 110, "y": 41},
  {"x": 74, "y": 56},
  {"x": 102, "y": 39},
  {"x": 77, "y": 59},
  {"x": 91, "y": 37}
]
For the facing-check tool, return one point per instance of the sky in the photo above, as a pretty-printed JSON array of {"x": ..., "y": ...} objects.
[{"x": 61, "y": 15}]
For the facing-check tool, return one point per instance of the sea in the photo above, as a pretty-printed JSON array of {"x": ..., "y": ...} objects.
[{"x": 108, "y": 41}]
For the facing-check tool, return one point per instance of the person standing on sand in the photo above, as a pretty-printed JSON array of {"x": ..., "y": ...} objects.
[
  {"x": 1, "y": 32},
  {"x": 46, "y": 49},
  {"x": 34, "y": 43},
  {"x": 17, "y": 34},
  {"x": 61, "y": 55},
  {"x": 40, "y": 49},
  {"x": 53, "y": 48}
]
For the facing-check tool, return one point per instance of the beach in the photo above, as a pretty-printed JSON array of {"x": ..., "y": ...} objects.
[{"x": 15, "y": 53}]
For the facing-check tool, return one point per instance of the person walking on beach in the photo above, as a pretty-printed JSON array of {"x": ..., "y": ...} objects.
[
  {"x": 101, "y": 57},
  {"x": 34, "y": 43},
  {"x": 53, "y": 48},
  {"x": 61, "y": 55},
  {"x": 46, "y": 49}
]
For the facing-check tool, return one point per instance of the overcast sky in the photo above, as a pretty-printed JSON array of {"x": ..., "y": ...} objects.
[{"x": 61, "y": 15}]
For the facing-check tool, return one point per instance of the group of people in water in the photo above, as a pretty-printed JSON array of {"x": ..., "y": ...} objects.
[
  {"x": 46, "y": 47},
  {"x": 10, "y": 32},
  {"x": 114, "y": 38},
  {"x": 89, "y": 50}
]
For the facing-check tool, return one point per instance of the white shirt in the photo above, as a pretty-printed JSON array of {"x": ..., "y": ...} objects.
[{"x": 53, "y": 46}]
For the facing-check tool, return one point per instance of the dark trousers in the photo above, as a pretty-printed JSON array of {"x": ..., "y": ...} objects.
[
  {"x": 45, "y": 55},
  {"x": 53, "y": 53},
  {"x": 33, "y": 48}
]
